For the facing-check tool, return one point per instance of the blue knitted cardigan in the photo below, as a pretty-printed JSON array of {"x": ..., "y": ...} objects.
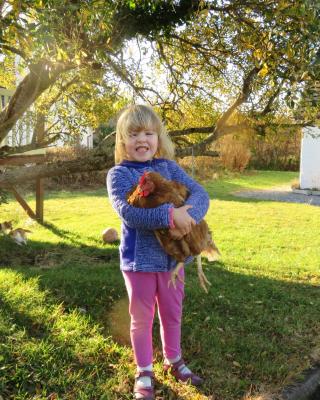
[{"x": 139, "y": 247}]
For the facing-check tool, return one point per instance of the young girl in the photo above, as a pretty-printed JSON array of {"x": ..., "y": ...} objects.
[{"x": 142, "y": 145}]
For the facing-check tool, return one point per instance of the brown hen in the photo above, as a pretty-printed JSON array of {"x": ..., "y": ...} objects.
[{"x": 152, "y": 191}]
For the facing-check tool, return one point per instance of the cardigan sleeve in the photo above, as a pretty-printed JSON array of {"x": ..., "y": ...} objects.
[
  {"x": 119, "y": 183},
  {"x": 198, "y": 198}
]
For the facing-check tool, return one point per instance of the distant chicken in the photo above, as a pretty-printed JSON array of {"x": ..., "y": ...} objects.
[
  {"x": 152, "y": 191},
  {"x": 19, "y": 235}
]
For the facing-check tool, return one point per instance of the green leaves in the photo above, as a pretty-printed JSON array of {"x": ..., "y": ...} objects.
[
  {"x": 132, "y": 5},
  {"x": 263, "y": 71},
  {"x": 3, "y": 196}
]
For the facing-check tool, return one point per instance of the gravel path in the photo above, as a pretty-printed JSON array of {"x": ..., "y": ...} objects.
[{"x": 282, "y": 193}]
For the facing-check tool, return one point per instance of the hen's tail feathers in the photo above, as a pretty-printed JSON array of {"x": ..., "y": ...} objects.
[{"x": 211, "y": 252}]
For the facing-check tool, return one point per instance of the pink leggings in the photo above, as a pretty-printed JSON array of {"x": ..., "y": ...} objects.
[{"x": 145, "y": 289}]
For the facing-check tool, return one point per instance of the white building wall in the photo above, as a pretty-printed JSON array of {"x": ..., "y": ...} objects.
[
  {"x": 87, "y": 139},
  {"x": 310, "y": 159}
]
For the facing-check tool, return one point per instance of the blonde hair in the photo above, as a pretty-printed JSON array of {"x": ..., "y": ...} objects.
[{"x": 134, "y": 119}]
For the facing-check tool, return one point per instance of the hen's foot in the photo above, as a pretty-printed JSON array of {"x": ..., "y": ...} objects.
[
  {"x": 175, "y": 275},
  {"x": 203, "y": 281}
]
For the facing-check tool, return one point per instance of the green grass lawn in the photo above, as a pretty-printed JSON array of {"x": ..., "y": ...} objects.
[{"x": 60, "y": 297}]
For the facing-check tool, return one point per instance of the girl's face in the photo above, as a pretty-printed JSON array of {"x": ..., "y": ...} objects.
[{"x": 142, "y": 145}]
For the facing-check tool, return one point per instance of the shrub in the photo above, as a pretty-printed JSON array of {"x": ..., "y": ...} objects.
[
  {"x": 276, "y": 151},
  {"x": 234, "y": 153},
  {"x": 201, "y": 167}
]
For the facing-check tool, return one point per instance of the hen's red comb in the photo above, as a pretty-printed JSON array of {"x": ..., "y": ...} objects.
[{"x": 143, "y": 179}]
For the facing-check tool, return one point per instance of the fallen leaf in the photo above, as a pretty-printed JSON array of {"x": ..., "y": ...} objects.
[{"x": 236, "y": 364}]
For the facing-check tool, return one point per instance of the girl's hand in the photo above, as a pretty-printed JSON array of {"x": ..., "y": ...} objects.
[
  {"x": 182, "y": 220},
  {"x": 176, "y": 234}
]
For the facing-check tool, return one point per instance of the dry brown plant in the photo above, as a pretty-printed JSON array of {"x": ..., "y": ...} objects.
[{"x": 234, "y": 153}]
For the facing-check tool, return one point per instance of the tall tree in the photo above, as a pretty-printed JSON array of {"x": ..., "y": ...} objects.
[
  {"x": 250, "y": 56},
  {"x": 53, "y": 37}
]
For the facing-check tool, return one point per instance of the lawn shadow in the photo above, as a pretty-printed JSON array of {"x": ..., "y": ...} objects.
[
  {"x": 249, "y": 331},
  {"x": 85, "y": 277},
  {"x": 40, "y": 347},
  {"x": 73, "y": 237}
]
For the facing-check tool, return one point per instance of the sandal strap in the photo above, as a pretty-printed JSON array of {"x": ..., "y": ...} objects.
[
  {"x": 188, "y": 375},
  {"x": 183, "y": 377},
  {"x": 175, "y": 366},
  {"x": 146, "y": 392},
  {"x": 140, "y": 374}
]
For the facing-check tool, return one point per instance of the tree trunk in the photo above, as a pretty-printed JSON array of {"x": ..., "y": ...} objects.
[{"x": 40, "y": 77}]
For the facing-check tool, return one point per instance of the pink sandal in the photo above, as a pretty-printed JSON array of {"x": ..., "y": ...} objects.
[
  {"x": 144, "y": 393},
  {"x": 190, "y": 377}
]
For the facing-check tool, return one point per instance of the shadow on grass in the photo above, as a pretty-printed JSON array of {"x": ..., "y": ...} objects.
[
  {"x": 47, "y": 350},
  {"x": 72, "y": 237},
  {"x": 249, "y": 331}
]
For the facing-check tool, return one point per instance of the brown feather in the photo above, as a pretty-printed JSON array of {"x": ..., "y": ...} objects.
[{"x": 197, "y": 241}]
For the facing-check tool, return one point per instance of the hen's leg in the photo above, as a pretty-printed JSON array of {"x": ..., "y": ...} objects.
[
  {"x": 175, "y": 275},
  {"x": 202, "y": 278}
]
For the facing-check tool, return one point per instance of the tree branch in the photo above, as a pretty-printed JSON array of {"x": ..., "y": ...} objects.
[
  {"x": 268, "y": 107},
  {"x": 41, "y": 76},
  {"x": 94, "y": 162},
  {"x": 13, "y": 50},
  {"x": 220, "y": 125},
  {"x": 125, "y": 77},
  {"x": 8, "y": 150},
  {"x": 189, "y": 131}
]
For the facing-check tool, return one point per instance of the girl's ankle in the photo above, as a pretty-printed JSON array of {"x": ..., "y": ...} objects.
[{"x": 142, "y": 379}]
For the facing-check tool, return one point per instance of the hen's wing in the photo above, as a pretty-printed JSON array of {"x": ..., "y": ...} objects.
[{"x": 165, "y": 192}]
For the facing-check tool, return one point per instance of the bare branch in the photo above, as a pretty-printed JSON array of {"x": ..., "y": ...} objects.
[
  {"x": 268, "y": 107},
  {"x": 243, "y": 96},
  {"x": 195, "y": 151},
  {"x": 126, "y": 77},
  {"x": 189, "y": 131},
  {"x": 199, "y": 148}
]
